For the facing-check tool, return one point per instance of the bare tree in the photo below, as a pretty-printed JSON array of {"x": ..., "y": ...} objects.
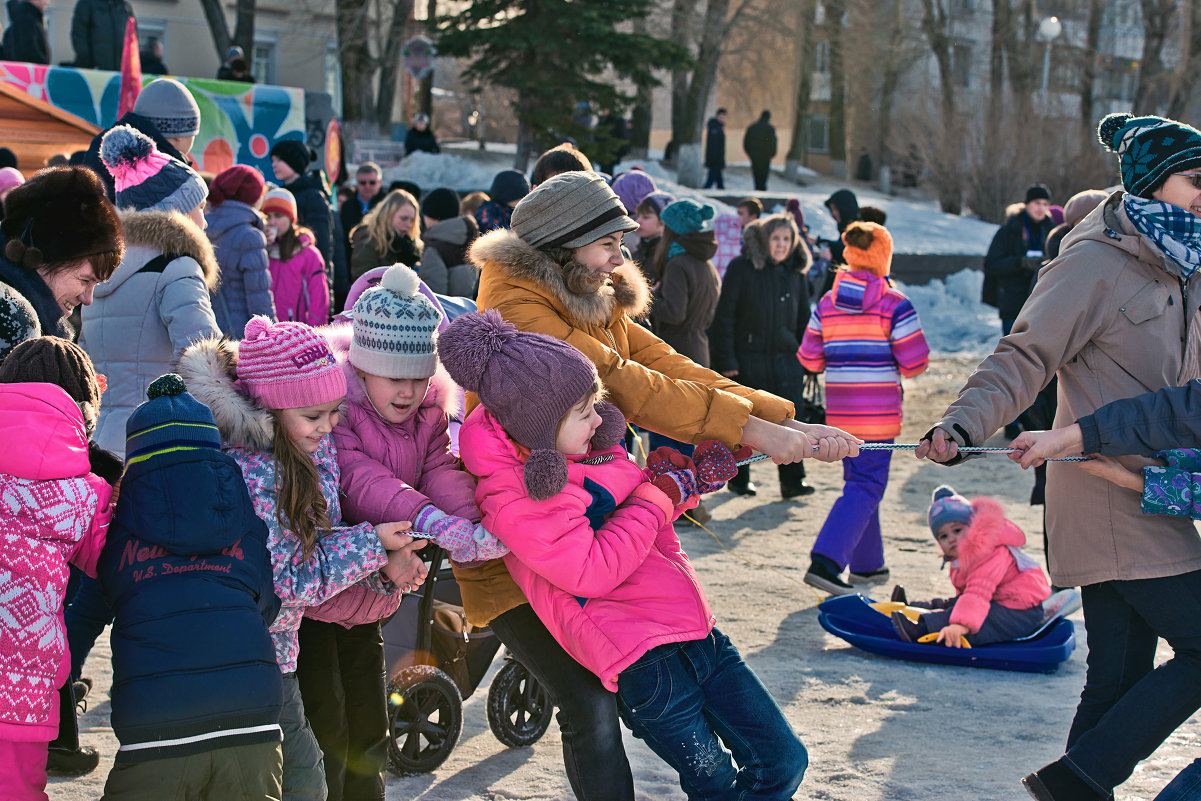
[
  {"x": 835, "y": 10},
  {"x": 1088, "y": 68},
  {"x": 1158, "y": 16},
  {"x": 353, "y": 21},
  {"x": 807, "y": 13},
  {"x": 936, "y": 26},
  {"x": 389, "y": 63},
  {"x": 691, "y": 88},
  {"x": 894, "y": 61},
  {"x": 1190, "y": 61},
  {"x": 243, "y": 35},
  {"x": 640, "y": 114}
]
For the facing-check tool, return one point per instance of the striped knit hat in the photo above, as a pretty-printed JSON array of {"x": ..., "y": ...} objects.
[
  {"x": 144, "y": 178},
  {"x": 287, "y": 365},
  {"x": 280, "y": 201},
  {"x": 395, "y": 328},
  {"x": 1150, "y": 149},
  {"x": 170, "y": 420}
]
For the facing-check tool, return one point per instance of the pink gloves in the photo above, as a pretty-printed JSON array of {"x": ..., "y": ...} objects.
[{"x": 466, "y": 542}]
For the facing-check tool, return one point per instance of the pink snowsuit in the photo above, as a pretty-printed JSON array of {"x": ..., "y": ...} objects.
[{"x": 299, "y": 285}]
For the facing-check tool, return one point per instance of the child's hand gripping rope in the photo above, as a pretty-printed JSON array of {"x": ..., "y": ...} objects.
[
  {"x": 684, "y": 479},
  {"x": 464, "y": 541}
]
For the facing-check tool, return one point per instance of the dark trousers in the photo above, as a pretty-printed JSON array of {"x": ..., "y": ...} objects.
[
  {"x": 660, "y": 441},
  {"x": 593, "y": 755},
  {"x": 85, "y": 616},
  {"x": 1001, "y": 625},
  {"x": 236, "y": 773},
  {"x": 759, "y": 171},
  {"x": 343, "y": 683},
  {"x": 1128, "y": 706},
  {"x": 714, "y": 179}
]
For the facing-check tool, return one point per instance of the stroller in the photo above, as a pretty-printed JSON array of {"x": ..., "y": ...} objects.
[{"x": 436, "y": 659}]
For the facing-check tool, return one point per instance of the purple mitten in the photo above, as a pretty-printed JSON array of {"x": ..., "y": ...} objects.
[
  {"x": 715, "y": 465},
  {"x": 454, "y": 534},
  {"x": 487, "y": 546}
]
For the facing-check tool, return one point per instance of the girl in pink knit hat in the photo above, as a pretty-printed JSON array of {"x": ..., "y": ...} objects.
[{"x": 275, "y": 398}]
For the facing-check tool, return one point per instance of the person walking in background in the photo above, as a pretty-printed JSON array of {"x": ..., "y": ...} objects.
[
  {"x": 152, "y": 58},
  {"x": 759, "y": 324},
  {"x": 290, "y": 159},
  {"x": 445, "y": 268},
  {"x": 235, "y": 227},
  {"x": 715, "y": 150},
  {"x": 25, "y": 38},
  {"x": 864, "y": 335},
  {"x": 759, "y": 142},
  {"x": 419, "y": 137},
  {"x": 235, "y": 67},
  {"x": 390, "y": 233},
  {"x": 98, "y": 33},
  {"x": 298, "y": 285},
  {"x": 507, "y": 190},
  {"x": 1015, "y": 254}
]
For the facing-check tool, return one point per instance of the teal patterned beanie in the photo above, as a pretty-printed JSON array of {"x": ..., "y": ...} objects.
[
  {"x": 1150, "y": 149},
  {"x": 395, "y": 328}
]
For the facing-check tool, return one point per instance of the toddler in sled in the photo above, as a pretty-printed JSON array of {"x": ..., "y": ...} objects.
[{"x": 999, "y": 589}]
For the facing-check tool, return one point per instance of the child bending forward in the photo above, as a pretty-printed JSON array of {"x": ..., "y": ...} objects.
[
  {"x": 1000, "y": 589},
  {"x": 594, "y": 551}
]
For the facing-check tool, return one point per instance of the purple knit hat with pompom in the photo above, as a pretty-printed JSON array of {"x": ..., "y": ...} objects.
[{"x": 529, "y": 382}]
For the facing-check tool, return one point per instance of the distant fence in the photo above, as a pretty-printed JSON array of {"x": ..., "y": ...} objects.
[{"x": 920, "y": 268}]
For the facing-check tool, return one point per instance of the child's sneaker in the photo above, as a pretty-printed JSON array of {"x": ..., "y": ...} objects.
[
  {"x": 870, "y": 577},
  {"x": 826, "y": 580},
  {"x": 906, "y": 629}
]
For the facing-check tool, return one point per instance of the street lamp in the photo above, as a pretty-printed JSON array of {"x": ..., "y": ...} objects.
[{"x": 1049, "y": 30}]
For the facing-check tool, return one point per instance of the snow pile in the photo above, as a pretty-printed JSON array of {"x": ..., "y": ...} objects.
[
  {"x": 954, "y": 320},
  {"x": 433, "y": 170}
]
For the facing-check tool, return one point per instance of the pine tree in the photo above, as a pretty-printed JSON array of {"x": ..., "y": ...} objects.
[{"x": 556, "y": 54}]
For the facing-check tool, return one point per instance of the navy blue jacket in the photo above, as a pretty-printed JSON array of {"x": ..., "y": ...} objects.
[
  {"x": 187, "y": 572},
  {"x": 1147, "y": 423}
]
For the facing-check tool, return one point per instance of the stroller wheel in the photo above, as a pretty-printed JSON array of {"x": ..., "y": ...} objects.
[
  {"x": 425, "y": 715},
  {"x": 519, "y": 708}
]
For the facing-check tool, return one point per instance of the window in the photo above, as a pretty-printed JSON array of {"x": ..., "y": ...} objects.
[
  {"x": 821, "y": 56},
  {"x": 817, "y": 133},
  {"x": 153, "y": 29},
  {"x": 263, "y": 62}
]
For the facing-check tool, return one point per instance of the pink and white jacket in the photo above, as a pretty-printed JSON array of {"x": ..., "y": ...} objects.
[
  {"x": 600, "y": 562},
  {"x": 299, "y": 285},
  {"x": 992, "y": 567},
  {"x": 53, "y": 510}
]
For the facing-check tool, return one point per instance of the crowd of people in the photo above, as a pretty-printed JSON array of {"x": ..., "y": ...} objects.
[{"x": 231, "y": 398}]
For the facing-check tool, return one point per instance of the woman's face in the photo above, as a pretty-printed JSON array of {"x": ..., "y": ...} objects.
[
  {"x": 73, "y": 286},
  {"x": 601, "y": 257},
  {"x": 779, "y": 244},
  {"x": 1180, "y": 191},
  {"x": 402, "y": 220}
]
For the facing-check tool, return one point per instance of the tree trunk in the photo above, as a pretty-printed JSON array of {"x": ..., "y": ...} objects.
[
  {"x": 244, "y": 30},
  {"x": 641, "y": 114},
  {"x": 681, "y": 12},
  {"x": 425, "y": 89},
  {"x": 243, "y": 35},
  {"x": 1022, "y": 58},
  {"x": 525, "y": 134},
  {"x": 700, "y": 85},
  {"x": 996, "y": 62},
  {"x": 804, "y": 44},
  {"x": 355, "y": 56},
  {"x": 390, "y": 67},
  {"x": 1186, "y": 73},
  {"x": 935, "y": 24},
  {"x": 838, "y": 131},
  {"x": 1157, "y": 16},
  {"x": 1088, "y": 69},
  {"x": 892, "y": 77}
]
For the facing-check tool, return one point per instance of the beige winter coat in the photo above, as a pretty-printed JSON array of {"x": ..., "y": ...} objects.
[{"x": 1111, "y": 317}]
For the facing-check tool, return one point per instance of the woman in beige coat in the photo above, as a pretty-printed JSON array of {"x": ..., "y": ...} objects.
[{"x": 1114, "y": 316}]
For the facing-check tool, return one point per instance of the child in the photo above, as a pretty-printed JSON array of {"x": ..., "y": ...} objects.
[
  {"x": 395, "y": 462},
  {"x": 1000, "y": 590},
  {"x": 53, "y": 511},
  {"x": 650, "y": 230},
  {"x": 594, "y": 551},
  {"x": 298, "y": 283},
  {"x": 235, "y": 228},
  {"x": 196, "y": 692},
  {"x": 275, "y": 398},
  {"x": 686, "y": 295},
  {"x": 865, "y": 335},
  {"x": 507, "y": 190}
]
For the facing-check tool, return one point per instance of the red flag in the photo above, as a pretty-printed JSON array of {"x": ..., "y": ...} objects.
[{"x": 131, "y": 69}]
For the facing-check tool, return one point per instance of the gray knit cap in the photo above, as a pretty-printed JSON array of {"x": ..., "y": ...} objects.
[
  {"x": 570, "y": 210},
  {"x": 395, "y": 328},
  {"x": 169, "y": 105}
]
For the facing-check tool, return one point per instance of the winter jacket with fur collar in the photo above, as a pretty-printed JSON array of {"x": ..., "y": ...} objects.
[
  {"x": 148, "y": 312},
  {"x": 236, "y": 231},
  {"x": 992, "y": 567},
  {"x": 343, "y": 555},
  {"x": 1112, "y": 319},
  {"x": 599, "y": 561},
  {"x": 56, "y": 512}
]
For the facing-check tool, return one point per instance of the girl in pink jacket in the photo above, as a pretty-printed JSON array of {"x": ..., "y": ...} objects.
[
  {"x": 53, "y": 511},
  {"x": 298, "y": 281},
  {"x": 1000, "y": 589},
  {"x": 395, "y": 462},
  {"x": 593, "y": 548}
]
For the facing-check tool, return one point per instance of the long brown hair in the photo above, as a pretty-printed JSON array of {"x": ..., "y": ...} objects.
[
  {"x": 289, "y": 241},
  {"x": 300, "y": 506}
]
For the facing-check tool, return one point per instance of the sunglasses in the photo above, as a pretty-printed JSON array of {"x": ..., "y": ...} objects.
[
  {"x": 1195, "y": 177},
  {"x": 368, "y": 183}
]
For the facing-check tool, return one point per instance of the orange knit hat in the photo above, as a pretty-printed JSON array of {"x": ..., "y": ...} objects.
[{"x": 868, "y": 247}]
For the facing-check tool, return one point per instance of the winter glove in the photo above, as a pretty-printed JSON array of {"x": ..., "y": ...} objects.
[
  {"x": 715, "y": 465},
  {"x": 673, "y": 473},
  {"x": 457, "y": 535}
]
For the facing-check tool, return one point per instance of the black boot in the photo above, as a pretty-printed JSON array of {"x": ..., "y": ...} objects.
[
  {"x": 741, "y": 484},
  {"x": 65, "y": 757},
  {"x": 792, "y": 481}
]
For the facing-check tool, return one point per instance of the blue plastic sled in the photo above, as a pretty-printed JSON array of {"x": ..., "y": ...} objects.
[{"x": 849, "y": 617}]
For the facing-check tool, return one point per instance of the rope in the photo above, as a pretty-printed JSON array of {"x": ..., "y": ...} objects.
[{"x": 894, "y": 446}]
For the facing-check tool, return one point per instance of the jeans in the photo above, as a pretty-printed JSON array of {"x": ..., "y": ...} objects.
[
  {"x": 851, "y": 533},
  {"x": 1185, "y": 787},
  {"x": 1128, "y": 706},
  {"x": 345, "y": 688},
  {"x": 714, "y": 178},
  {"x": 86, "y": 616},
  {"x": 685, "y": 699},
  {"x": 593, "y": 754},
  {"x": 303, "y": 769}
]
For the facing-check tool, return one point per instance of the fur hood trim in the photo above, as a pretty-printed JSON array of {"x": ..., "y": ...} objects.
[
  {"x": 171, "y": 232},
  {"x": 989, "y": 529},
  {"x": 755, "y": 246},
  {"x": 626, "y": 293},
  {"x": 209, "y": 368}
]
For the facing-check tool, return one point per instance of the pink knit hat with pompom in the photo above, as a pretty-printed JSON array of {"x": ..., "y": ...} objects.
[
  {"x": 288, "y": 365},
  {"x": 146, "y": 179}
]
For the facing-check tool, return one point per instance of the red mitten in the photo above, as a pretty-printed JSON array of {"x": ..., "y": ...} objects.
[
  {"x": 673, "y": 473},
  {"x": 715, "y": 464}
]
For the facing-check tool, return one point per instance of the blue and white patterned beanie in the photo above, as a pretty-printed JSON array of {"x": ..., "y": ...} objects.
[
  {"x": 1150, "y": 149},
  {"x": 395, "y": 328}
]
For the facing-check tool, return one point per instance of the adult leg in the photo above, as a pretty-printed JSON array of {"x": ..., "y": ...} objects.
[
  {"x": 303, "y": 771},
  {"x": 865, "y": 477},
  {"x": 1186, "y": 785},
  {"x": 365, "y": 686},
  {"x": 710, "y": 178},
  {"x": 319, "y": 677},
  {"x": 593, "y": 754}
]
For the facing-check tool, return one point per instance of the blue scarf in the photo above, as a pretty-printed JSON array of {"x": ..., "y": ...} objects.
[{"x": 1175, "y": 231}]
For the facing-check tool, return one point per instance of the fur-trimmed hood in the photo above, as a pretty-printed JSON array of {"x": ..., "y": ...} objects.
[
  {"x": 209, "y": 368},
  {"x": 755, "y": 247},
  {"x": 989, "y": 528},
  {"x": 626, "y": 293},
  {"x": 163, "y": 232}
]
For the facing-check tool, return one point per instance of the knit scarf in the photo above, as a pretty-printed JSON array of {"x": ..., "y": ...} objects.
[{"x": 1177, "y": 232}]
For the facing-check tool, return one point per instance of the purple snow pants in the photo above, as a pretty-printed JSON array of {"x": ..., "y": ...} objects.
[{"x": 851, "y": 534}]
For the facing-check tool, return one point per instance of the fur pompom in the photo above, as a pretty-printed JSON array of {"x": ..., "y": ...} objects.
[
  {"x": 469, "y": 343},
  {"x": 402, "y": 280},
  {"x": 1109, "y": 127},
  {"x": 256, "y": 327},
  {"x": 942, "y": 491},
  {"x": 123, "y": 147},
  {"x": 169, "y": 386},
  {"x": 18, "y": 253},
  {"x": 545, "y": 473},
  {"x": 612, "y": 428}
]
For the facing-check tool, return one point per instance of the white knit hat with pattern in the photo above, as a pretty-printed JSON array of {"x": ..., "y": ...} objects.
[{"x": 395, "y": 328}]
